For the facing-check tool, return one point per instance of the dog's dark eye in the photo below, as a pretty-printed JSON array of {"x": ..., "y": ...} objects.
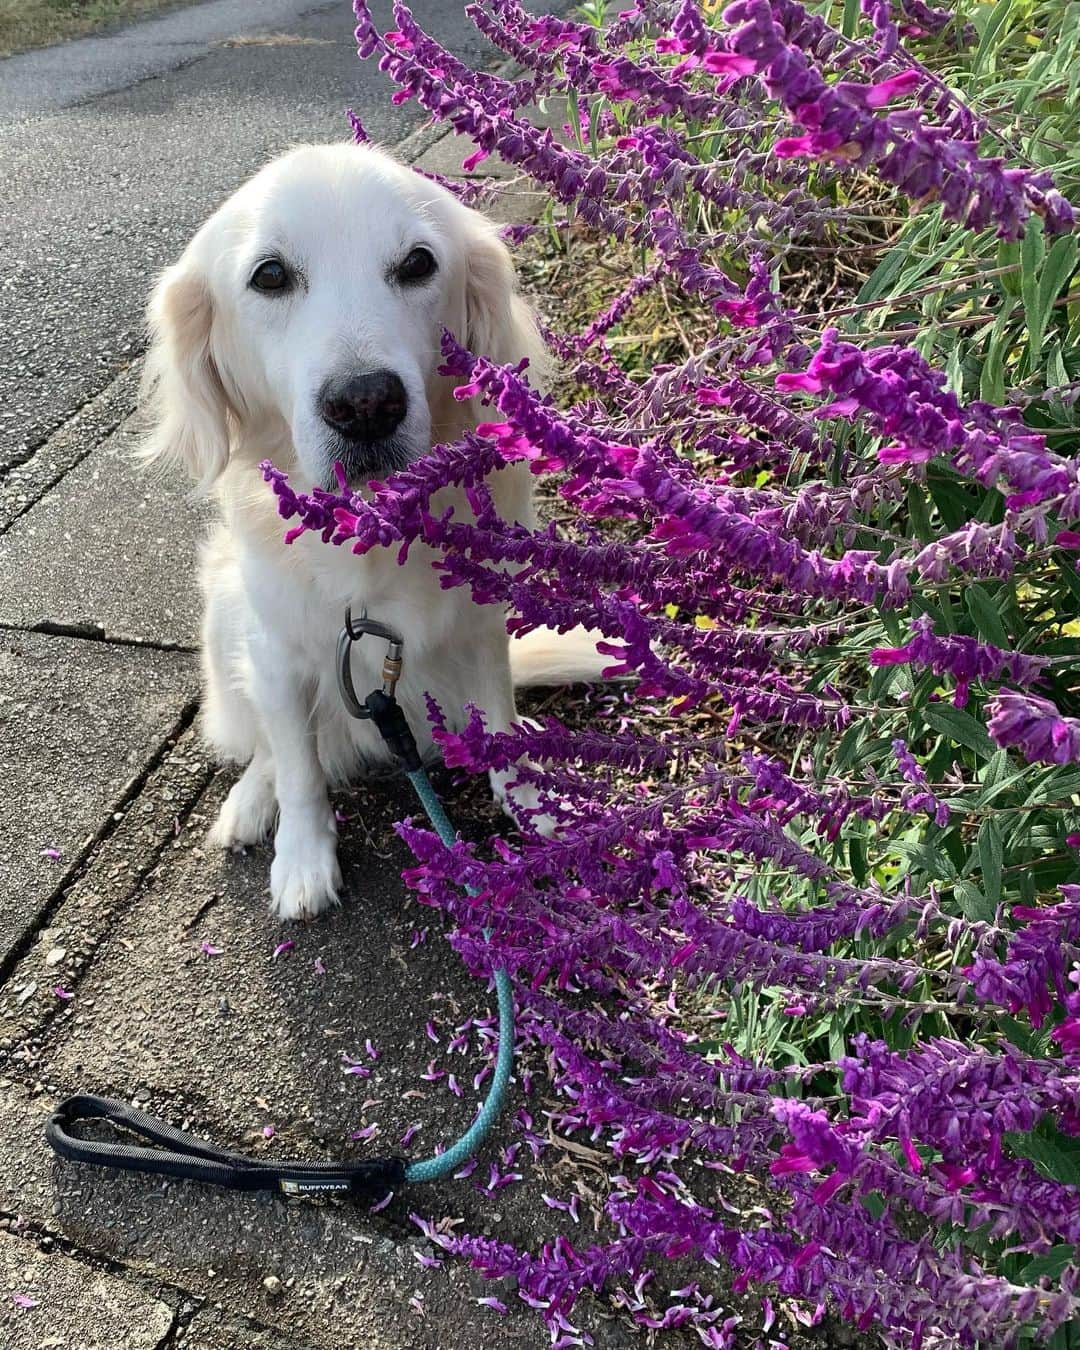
[
  {"x": 271, "y": 276},
  {"x": 417, "y": 266}
]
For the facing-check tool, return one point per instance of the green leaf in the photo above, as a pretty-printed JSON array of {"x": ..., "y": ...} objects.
[
  {"x": 993, "y": 774},
  {"x": 994, "y": 787},
  {"x": 919, "y": 265},
  {"x": 1071, "y": 578},
  {"x": 953, "y": 503},
  {"x": 909, "y": 251},
  {"x": 890, "y": 621},
  {"x": 936, "y": 865},
  {"x": 1008, "y": 255},
  {"x": 573, "y": 110},
  {"x": 974, "y": 906},
  {"x": 992, "y": 377},
  {"x": 1050, "y": 1263},
  {"x": 1024, "y": 1035},
  {"x": 997, "y": 19},
  {"x": 851, "y": 17},
  {"x": 920, "y": 516},
  {"x": 838, "y": 1046},
  {"x": 985, "y": 616},
  {"x": 882, "y": 277},
  {"x": 849, "y": 744},
  {"x": 991, "y": 854},
  {"x": 857, "y": 858},
  {"x": 1056, "y": 1156},
  {"x": 1055, "y": 784},
  {"x": 1032, "y": 252},
  {"x": 595, "y": 115},
  {"x": 959, "y": 726},
  {"x": 955, "y": 373},
  {"x": 1056, "y": 374},
  {"x": 1058, "y": 268}
]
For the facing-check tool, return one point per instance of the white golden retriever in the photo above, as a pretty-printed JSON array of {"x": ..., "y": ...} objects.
[{"x": 302, "y": 324}]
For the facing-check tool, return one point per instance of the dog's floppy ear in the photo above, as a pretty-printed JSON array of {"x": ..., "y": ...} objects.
[
  {"x": 185, "y": 390},
  {"x": 498, "y": 322}
]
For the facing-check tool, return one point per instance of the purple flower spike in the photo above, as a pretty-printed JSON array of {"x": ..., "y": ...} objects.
[{"x": 829, "y": 775}]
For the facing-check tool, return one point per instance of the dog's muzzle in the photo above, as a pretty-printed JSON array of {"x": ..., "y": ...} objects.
[
  {"x": 363, "y": 462},
  {"x": 363, "y": 413}
]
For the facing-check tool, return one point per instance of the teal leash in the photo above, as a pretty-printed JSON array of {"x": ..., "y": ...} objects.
[
  {"x": 431, "y": 1169},
  {"x": 173, "y": 1153},
  {"x": 382, "y": 708}
]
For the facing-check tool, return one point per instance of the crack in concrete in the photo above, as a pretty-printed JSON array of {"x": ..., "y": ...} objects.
[
  {"x": 93, "y": 632},
  {"x": 83, "y": 862},
  {"x": 39, "y": 1233},
  {"x": 68, "y": 427},
  {"x": 189, "y": 1304}
]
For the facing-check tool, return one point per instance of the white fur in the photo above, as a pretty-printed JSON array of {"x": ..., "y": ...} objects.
[{"x": 234, "y": 375}]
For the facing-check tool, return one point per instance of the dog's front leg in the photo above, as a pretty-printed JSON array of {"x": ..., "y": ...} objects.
[
  {"x": 304, "y": 876},
  {"x": 494, "y": 696}
]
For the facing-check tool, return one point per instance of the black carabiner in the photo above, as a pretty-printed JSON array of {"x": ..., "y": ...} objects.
[
  {"x": 353, "y": 631},
  {"x": 380, "y": 705},
  {"x": 356, "y": 628}
]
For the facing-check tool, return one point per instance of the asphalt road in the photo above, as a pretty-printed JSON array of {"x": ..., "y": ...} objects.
[{"x": 114, "y": 148}]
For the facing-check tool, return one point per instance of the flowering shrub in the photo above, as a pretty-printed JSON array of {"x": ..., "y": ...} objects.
[{"x": 844, "y": 581}]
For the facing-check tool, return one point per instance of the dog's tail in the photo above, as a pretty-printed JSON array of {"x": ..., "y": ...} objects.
[{"x": 545, "y": 657}]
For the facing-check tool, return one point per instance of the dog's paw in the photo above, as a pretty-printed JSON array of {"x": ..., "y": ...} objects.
[
  {"x": 521, "y": 802},
  {"x": 304, "y": 876},
  {"x": 246, "y": 815}
]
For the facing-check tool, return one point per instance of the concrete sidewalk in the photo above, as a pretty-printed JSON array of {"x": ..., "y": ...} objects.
[{"x": 138, "y": 964}]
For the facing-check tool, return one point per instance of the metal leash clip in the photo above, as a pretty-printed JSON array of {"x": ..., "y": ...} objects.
[
  {"x": 353, "y": 631},
  {"x": 380, "y": 706}
]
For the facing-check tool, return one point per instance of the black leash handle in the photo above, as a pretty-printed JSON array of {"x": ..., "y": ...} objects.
[{"x": 190, "y": 1159}]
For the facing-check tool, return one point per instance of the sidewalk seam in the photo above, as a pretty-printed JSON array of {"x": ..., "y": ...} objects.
[
  {"x": 85, "y": 633},
  {"x": 83, "y": 861},
  {"x": 35, "y": 1230},
  {"x": 23, "y": 464}
]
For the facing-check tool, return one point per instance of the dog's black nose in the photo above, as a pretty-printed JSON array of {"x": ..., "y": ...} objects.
[{"x": 364, "y": 407}]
